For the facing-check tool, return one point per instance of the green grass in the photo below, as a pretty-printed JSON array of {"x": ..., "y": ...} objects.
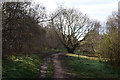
[
  {"x": 50, "y": 70},
  {"x": 80, "y": 52},
  {"x": 59, "y": 50},
  {"x": 27, "y": 66},
  {"x": 90, "y": 68}
]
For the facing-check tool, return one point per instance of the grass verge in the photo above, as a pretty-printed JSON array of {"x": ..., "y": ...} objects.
[
  {"x": 25, "y": 66},
  {"x": 90, "y": 68}
]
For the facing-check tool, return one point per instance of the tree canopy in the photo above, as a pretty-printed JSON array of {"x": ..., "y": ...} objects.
[{"x": 71, "y": 26}]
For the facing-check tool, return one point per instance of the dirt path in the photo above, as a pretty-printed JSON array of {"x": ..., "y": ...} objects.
[
  {"x": 45, "y": 66},
  {"x": 59, "y": 71}
]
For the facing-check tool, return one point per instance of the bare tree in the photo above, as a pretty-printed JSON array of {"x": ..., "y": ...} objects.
[
  {"x": 71, "y": 27},
  {"x": 21, "y": 28},
  {"x": 91, "y": 42}
]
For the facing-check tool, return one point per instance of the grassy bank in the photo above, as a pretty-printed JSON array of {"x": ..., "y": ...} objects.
[
  {"x": 23, "y": 66},
  {"x": 86, "y": 67}
]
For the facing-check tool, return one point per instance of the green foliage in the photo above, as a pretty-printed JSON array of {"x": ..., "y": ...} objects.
[
  {"x": 86, "y": 68},
  {"x": 22, "y": 66},
  {"x": 109, "y": 47}
]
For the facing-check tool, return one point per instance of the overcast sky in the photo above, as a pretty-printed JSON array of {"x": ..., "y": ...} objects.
[{"x": 95, "y": 9}]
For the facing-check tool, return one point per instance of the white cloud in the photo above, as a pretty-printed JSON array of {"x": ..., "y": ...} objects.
[
  {"x": 49, "y": 4},
  {"x": 96, "y": 9}
]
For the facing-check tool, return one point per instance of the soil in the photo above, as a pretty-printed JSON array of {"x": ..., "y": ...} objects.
[{"x": 59, "y": 70}]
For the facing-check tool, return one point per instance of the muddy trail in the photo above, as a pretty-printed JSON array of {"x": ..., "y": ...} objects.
[
  {"x": 59, "y": 70},
  {"x": 44, "y": 67}
]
